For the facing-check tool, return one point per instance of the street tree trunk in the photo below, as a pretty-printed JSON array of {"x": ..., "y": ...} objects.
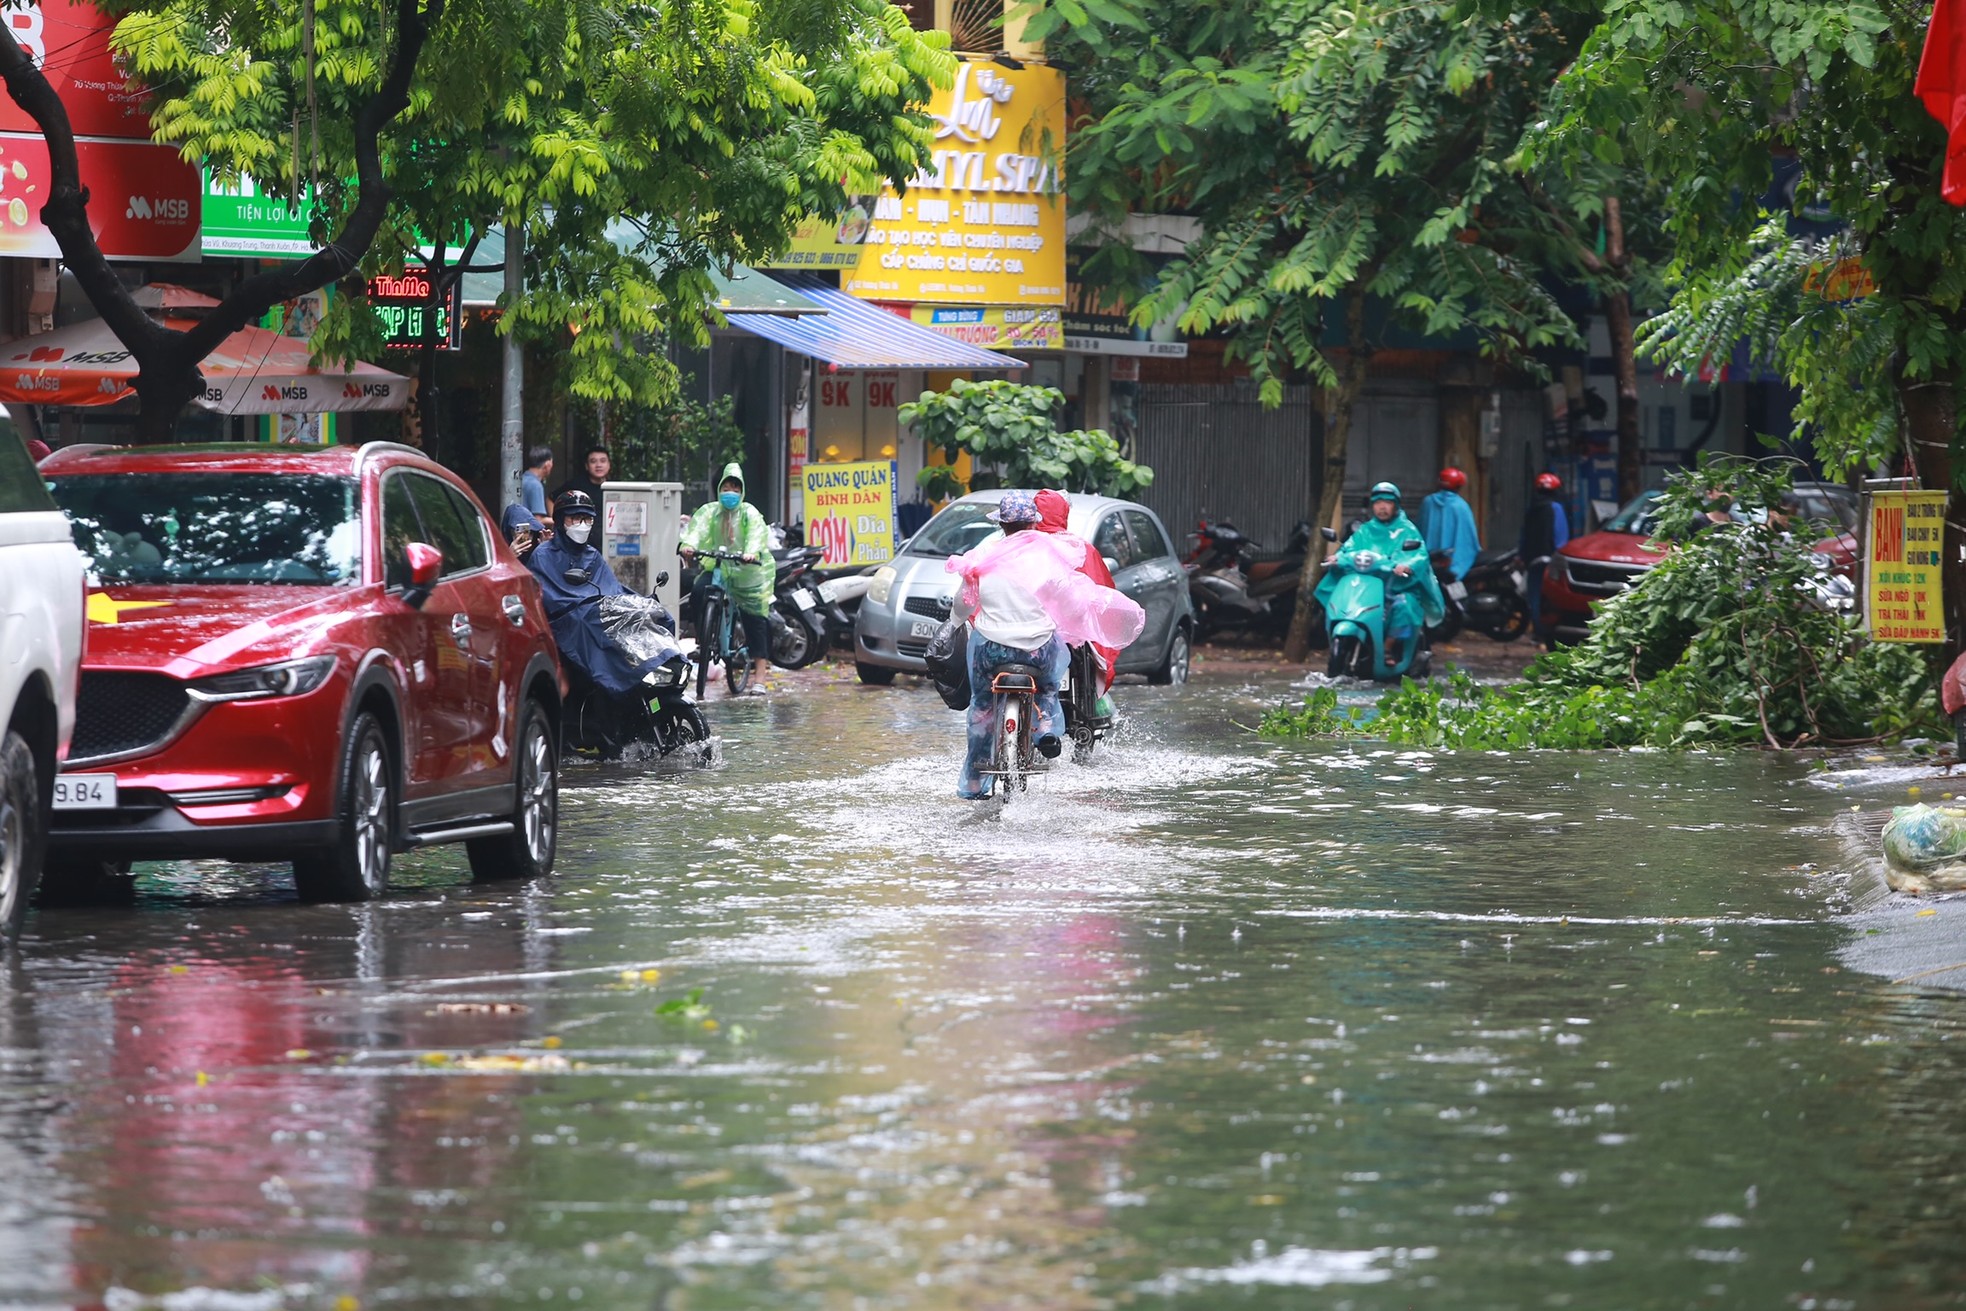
[
  {"x": 1624, "y": 353},
  {"x": 1337, "y": 442},
  {"x": 167, "y": 360},
  {"x": 1931, "y": 422}
]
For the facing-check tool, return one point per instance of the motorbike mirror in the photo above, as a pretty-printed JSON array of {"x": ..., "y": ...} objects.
[
  {"x": 1409, "y": 546},
  {"x": 662, "y": 579},
  {"x": 1329, "y": 534},
  {"x": 425, "y": 562}
]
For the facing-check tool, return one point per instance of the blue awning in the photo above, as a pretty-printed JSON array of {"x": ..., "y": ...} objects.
[{"x": 853, "y": 334}]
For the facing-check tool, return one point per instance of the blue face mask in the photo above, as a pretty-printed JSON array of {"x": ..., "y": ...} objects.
[{"x": 730, "y": 500}]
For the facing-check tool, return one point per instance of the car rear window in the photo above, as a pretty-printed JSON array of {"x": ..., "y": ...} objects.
[
  {"x": 21, "y": 490},
  {"x": 957, "y": 529},
  {"x": 215, "y": 527}
]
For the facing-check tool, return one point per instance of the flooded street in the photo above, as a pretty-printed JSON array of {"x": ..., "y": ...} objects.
[{"x": 1218, "y": 1022}]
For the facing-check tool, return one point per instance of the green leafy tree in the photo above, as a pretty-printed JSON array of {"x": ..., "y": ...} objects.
[
  {"x": 633, "y": 146},
  {"x": 1704, "y": 96},
  {"x": 1335, "y": 155},
  {"x": 1012, "y": 428}
]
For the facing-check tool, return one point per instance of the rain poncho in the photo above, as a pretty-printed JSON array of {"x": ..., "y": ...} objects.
[
  {"x": 1925, "y": 849},
  {"x": 714, "y": 528},
  {"x": 1449, "y": 525},
  {"x": 573, "y": 610},
  {"x": 1413, "y": 600},
  {"x": 1054, "y": 510},
  {"x": 1046, "y": 566}
]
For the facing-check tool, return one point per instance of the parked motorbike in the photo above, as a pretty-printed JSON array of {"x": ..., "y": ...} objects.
[
  {"x": 806, "y": 617},
  {"x": 658, "y": 717},
  {"x": 1357, "y": 615},
  {"x": 1489, "y": 600},
  {"x": 1234, "y": 584}
]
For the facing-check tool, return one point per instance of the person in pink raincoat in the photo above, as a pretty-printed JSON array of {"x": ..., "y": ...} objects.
[{"x": 1027, "y": 603}]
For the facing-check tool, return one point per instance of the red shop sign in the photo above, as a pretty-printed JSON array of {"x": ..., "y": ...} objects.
[
  {"x": 69, "y": 39},
  {"x": 145, "y": 202}
]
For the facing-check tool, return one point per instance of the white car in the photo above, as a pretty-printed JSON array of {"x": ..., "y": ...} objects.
[{"x": 41, "y": 615}]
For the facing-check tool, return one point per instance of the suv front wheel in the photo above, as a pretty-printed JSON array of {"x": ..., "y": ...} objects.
[{"x": 356, "y": 866}]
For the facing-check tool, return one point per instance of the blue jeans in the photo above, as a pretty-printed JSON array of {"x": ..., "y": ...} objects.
[{"x": 985, "y": 658}]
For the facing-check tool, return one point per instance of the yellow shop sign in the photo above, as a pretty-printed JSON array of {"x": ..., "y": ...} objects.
[
  {"x": 1907, "y": 533},
  {"x": 996, "y": 327},
  {"x": 983, "y": 223}
]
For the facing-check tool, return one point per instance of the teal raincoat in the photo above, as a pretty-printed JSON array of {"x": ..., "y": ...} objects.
[
  {"x": 1414, "y": 599},
  {"x": 714, "y": 528}
]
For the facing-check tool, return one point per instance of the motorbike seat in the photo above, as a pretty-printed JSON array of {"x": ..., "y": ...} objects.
[
  {"x": 1493, "y": 557},
  {"x": 1015, "y": 678}
]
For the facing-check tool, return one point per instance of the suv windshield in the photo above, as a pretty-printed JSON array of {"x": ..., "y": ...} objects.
[
  {"x": 215, "y": 527},
  {"x": 1639, "y": 517},
  {"x": 957, "y": 529}
]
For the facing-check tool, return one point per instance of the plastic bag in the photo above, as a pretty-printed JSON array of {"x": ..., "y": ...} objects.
[
  {"x": 1925, "y": 849},
  {"x": 640, "y": 626},
  {"x": 948, "y": 663}
]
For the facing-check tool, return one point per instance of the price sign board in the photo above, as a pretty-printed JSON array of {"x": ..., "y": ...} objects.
[
  {"x": 404, "y": 305},
  {"x": 1907, "y": 536}
]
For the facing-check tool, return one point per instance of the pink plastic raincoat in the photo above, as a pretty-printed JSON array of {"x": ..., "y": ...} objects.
[{"x": 1046, "y": 565}]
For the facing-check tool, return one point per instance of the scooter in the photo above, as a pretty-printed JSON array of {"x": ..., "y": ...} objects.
[
  {"x": 1234, "y": 584},
  {"x": 806, "y": 618},
  {"x": 1489, "y": 599},
  {"x": 658, "y": 717},
  {"x": 1359, "y": 611}
]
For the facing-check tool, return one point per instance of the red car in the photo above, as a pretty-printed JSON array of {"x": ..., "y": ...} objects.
[
  {"x": 1587, "y": 569},
  {"x": 322, "y": 655}
]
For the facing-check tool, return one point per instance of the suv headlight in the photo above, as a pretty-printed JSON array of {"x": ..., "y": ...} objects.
[
  {"x": 1558, "y": 568},
  {"x": 288, "y": 678},
  {"x": 877, "y": 591}
]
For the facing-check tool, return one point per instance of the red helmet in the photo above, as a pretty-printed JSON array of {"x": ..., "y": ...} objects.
[
  {"x": 1548, "y": 482},
  {"x": 1453, "y": 479}
]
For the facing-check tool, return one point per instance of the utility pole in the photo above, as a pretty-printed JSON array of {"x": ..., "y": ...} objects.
[{"x": 512, "y": 431}]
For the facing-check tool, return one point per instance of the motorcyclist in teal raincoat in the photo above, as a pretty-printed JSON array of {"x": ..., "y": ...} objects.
[{"x": 1416, "y": 597}]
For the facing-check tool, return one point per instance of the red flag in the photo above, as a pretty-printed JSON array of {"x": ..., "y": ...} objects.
[{"x": 1942, "y": 86}]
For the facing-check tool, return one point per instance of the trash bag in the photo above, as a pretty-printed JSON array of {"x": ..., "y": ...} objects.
[
  {"x": 640, "y": 626},
  {"x": 948, "y": 663},
  {"x": 1925, "y": 849}
]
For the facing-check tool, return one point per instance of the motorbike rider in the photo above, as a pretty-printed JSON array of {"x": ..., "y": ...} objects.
[
  {"x": 1545, "y": 527},
  {"x": 1384, "y": 536},
  {"x": 1053, "y": 511},
  {"x": 1447, "y": 524},
  {"x": 730, "y": 523},
  {"x": 573, "y": 575},
  {"x": 1027, "y": 603}
]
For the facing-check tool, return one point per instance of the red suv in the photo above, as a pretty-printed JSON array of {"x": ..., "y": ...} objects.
[{"x": 323, "y": 655}]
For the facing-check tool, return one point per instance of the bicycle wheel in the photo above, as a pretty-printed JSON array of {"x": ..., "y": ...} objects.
[
  {"x": 737, "y": 658},
  {"x": 1027, "y": 748},
  {"x": 707, "y": 645}
]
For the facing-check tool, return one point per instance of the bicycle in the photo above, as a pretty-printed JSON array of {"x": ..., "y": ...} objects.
[
  {"x": 715, "y": 627},
  {"x": 1014, "y": 757}
]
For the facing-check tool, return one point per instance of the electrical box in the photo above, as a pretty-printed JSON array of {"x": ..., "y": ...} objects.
[{"x": 642, "y": 524}]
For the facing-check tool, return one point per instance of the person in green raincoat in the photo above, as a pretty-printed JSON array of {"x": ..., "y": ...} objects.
[
  {"x": 730, "y": 523},
  {"x": 1415, "y": 591}
]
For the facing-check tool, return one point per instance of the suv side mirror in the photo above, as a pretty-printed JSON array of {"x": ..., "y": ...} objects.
[{"x": 426, "y": 562}]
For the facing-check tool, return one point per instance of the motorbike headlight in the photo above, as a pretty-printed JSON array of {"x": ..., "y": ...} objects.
[
  {"x": 288, "y": 678},
  {"x": 667, "y": 676},
  {"x": 877, "y": 591}
]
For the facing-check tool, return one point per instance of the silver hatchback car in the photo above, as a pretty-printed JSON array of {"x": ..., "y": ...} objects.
[{"x": 909, "y": 599}]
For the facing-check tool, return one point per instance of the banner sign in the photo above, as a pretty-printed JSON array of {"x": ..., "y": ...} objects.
[
  {"x": 984, "y": 223},
  {"x": 403, "y": 302},
  {"x": 143, "y": 199},
  {"x": 993, "y": 327},
  {"x": 1907, "y": 533},
  {"x": 1098, "y": 321},
  {"x": 69, "y": 39},
  {"x": 240, "y": 220},
  {"x": 849, "y": 511}
]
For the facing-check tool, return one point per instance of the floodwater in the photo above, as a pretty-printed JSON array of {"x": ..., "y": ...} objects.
[{"x": 1218, "y": 1022}]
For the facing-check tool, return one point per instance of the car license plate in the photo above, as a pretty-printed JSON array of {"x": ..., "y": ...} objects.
[
  {"x": 1459, "y": 591},
  {"x": 924, "y": 628},
  {"x": 85, "y": 792},
  {"x": 802, "y": 599}
]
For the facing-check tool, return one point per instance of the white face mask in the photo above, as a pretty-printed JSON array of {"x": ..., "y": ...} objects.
[{"x": 578, "y": 530}]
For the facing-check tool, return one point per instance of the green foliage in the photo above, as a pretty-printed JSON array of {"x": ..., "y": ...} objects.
[
  {"x": 1720, "y": 643},
  {"x": 1012, "y": 427},
  {"x": 676, "y": 440},
  {"x": 638, "y": 145},
  {"x": 1705, "y": 95}
]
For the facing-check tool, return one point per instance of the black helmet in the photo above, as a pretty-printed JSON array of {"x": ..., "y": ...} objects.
[{"x": 571, "y": 504}]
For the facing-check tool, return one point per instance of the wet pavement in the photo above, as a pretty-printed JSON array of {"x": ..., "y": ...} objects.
[{"x": 1217, "y": 1022}]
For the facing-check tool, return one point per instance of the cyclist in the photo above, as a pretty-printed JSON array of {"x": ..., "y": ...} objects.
[
  {"x": 730, "y": 523},
  {"x": 1027, "y": 603}
]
